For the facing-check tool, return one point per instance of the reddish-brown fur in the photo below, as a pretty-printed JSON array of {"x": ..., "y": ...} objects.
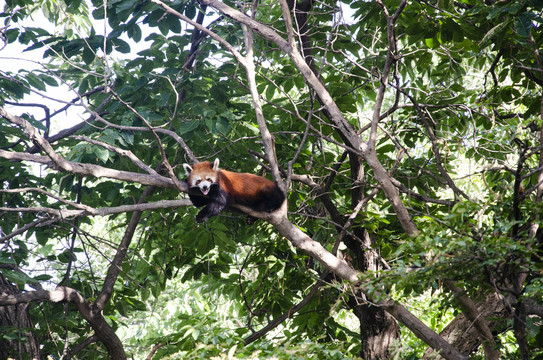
[{"x": 250, "y": 190}]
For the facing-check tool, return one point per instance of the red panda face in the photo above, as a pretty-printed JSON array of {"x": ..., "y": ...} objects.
[
  {"x": 202, "y": 175},
  {"x": 203, "y": 181}
]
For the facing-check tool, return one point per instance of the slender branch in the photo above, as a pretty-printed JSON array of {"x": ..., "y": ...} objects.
[
  {"x": 267, "y": 138},
  {"x": 127, "y": 153},
  {"x": 165, "y": 161},
  {"x": 105, "y": 211},
  {"x": 288, "y": 314},
  {"x": 288, "y": 23},
  {"x": 203, "y": 29},
  {"x": 368, "y": 149},
  {"x": 116, "y": 265},
  {"x": 76, "y": 349},
  {"x": 36, "y": 223},
  {"x": 170, "y": 133},
  {"x": 389, "y": 61},
  {"x": 91, "y": 169}
]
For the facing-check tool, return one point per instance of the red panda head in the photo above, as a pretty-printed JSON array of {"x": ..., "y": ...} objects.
[{"x": 202, "y": 175}]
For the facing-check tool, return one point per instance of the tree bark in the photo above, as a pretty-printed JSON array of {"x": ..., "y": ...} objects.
[
  {"x": 16, "y": 317},
  {"x": 378, "y": 329},
  {"x": 463, "y": 335}
]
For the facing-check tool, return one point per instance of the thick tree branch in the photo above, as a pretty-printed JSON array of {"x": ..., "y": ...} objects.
[
  {"x": 466, "y": 337},
  {"x": 368, "y": 149},
  {"x": 104, "y": 332},
  {"x": 343, "y": 270},
  {"x": 58, "y": 162},
  {"x": 91, "y": 169},
  {"x": 472, "y": 314}
]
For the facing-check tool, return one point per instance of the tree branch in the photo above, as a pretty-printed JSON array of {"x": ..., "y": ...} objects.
[
  {"x": 127, "y": 153},
  {"x": 472, "y": 314},
  {"x": 91, "y": 169},
  {"x": 116, "y": 264},
  {"x": 267, "y": 138},
  {"x": 65, "y": 294}
]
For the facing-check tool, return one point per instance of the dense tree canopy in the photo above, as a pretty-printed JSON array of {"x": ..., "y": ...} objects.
[{"x": 407, "y": 136}]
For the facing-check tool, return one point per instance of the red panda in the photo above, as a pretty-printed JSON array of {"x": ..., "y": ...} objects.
[{"x": 216, "y": 189}]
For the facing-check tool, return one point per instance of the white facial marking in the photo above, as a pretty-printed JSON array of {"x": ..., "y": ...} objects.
[
  {"x": 203, "y": 184},
  {"x": 195, "y": 180}
]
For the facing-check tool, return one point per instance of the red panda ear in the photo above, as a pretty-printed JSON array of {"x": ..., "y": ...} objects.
[
  {"x": 187, "y": 168},
  {"x": 216, "y": 164}
]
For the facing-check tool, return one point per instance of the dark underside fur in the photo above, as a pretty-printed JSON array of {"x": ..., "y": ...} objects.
[
  {"x": 268, "y": 199},
  {"x": 214, "y": 203}
]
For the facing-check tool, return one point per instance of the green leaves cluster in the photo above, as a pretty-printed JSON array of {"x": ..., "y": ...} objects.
[{"x": 467, "y": 72}]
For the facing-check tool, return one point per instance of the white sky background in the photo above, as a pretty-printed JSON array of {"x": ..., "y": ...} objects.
[{"x": 14, "y": 59}]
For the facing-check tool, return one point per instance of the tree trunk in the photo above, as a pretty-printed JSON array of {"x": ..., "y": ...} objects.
[
  {"x": 378, "y": 329},
  {"x": 17, "y": 340}
]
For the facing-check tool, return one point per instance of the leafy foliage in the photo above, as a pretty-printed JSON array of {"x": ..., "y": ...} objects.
[{"x": 459, "y": 133}]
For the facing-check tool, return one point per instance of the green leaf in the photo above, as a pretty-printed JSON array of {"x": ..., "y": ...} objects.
[
  {"x": 120, "y": 45},
  {"x": 494, "y": 32},
  {"x": 88, "y": 55},
  {"x": 43, "y": 277},
  {"x": 523, "y": 24},
  {"x": 188, "y": 126},
  {"x": 223, "y": 125},
  {"x": 64, "y": 257},
  {"x": 17, "y": 277},
  {"x": 35, "y": 81},
  {"x": 12, "y": 34},
  {"x": 48, "y": 80},
  {"x": 190, "y": 11},
  {"x": 430, "y": 42}
]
